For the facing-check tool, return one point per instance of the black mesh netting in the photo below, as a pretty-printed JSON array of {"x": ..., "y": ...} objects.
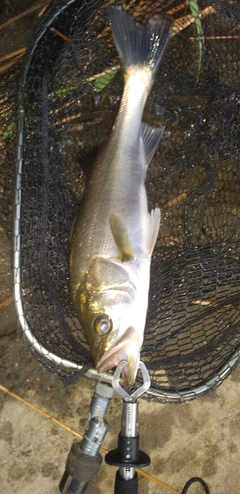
[{"x": 193, "y": 323}]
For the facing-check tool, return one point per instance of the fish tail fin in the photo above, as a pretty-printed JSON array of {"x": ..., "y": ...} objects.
[{"x": 138, "y": 45}]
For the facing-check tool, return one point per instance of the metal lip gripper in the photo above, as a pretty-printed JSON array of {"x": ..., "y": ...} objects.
[
  {"x": 84, "y": 458},
  {"x": 127, "y": 456}
]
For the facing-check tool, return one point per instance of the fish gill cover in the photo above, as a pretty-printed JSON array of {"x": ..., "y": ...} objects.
[{"x": 69, "y": 91}]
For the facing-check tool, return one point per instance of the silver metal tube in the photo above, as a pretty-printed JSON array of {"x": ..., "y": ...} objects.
[
  {"x": 94, "y": 436},
  {"x": 129, "y": 419},
  {"x": 101, "y": 398},
  {"x": 127, "y": 473}
]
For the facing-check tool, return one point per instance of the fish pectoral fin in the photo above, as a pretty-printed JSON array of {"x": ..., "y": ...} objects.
[
  {"x": 153, "y": 228},
  {"x": 120, "y": 233},
  {"x": 151, "y": 137}
]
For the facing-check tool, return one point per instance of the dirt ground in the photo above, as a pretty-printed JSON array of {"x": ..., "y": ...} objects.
[{"x": 199, "y": 438}]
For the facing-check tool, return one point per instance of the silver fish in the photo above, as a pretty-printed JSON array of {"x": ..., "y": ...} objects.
[{"x": 114, "y": 235}]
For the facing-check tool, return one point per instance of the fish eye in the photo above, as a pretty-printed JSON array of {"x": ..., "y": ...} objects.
[{"x": 102, "y": 324}]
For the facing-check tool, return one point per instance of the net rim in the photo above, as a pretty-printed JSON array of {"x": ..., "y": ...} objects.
[{"x": 160, "y": 394}]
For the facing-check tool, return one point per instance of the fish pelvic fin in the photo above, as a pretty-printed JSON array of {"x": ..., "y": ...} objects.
[
  {"x": 138, "y": 45},
  {"x": 121, "y": 236},
  {"x": 153, "y": 229},
  {"x": 151, "y": 138}
]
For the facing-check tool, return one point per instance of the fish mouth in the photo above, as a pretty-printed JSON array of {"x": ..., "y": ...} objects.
[{"x": 127, "y": 348}]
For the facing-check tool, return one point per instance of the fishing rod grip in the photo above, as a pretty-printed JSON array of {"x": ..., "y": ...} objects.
[
  {"x": 80, "y": 470},
  {"x": 84, "y": 459}
]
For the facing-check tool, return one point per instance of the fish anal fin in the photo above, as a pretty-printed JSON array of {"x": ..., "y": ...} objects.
[
  {"x": 121, "y": 236},
  {"x": 153, "y": 228},
  {"x": 151, "y": 137}
]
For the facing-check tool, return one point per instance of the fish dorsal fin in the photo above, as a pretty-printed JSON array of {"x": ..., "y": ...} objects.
[
  {"x": 153, "y": 228},
  {"x": 150, "y": 138},
  {"x": 120, "y": 233}
]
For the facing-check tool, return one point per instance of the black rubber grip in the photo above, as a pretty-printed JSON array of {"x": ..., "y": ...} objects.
[
  {"x": 80, "y": 466},
  {"x": 123, "y": 486}
]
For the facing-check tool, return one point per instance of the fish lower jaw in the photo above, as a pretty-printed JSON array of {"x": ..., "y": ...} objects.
[
  {"x": 109, "y": 363},
  {"x": 127, "y": 352}
]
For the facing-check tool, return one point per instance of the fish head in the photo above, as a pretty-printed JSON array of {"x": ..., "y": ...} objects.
[{"x": 108, "y": 308}]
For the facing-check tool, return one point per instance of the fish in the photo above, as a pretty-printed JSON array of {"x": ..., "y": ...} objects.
[{"x": 114, "y": 234}]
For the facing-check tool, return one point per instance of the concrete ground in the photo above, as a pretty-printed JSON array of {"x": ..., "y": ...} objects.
[{"x": 200, "y": 438}]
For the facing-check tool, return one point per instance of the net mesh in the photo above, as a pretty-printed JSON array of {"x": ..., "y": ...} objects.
[{"x": 69, "y": 98}]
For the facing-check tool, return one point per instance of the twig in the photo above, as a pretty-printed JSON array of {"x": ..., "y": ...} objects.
[
  {"x": 212, "y": 303},
  {"x": 61, "y": 35},
  {"x": 187, "y": 20},
  {"x": 8, "y": 65},
  {"x": 6, "y": 302},
  {"x": 230, "y": 36},
  {"x": 25, "y": 13},
  {"x": 176, "y": 200},
  {"x": 176, "y": 9},
  {"x": 80, "y": 126},
  {"x": 42, "y": 11},
  {"x": 13, "y": 54}
]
